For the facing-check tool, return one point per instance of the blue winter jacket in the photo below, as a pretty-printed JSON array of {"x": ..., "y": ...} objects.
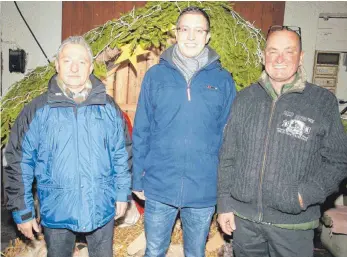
[
  {"x": 78, "y": 154},
  {"x": 176, "y": 141}
]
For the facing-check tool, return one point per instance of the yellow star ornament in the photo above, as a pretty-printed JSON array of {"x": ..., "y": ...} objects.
[{"x": 126, "y": 55}]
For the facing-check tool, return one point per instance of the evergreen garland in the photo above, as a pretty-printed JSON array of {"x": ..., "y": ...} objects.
[{"x": 237, "y": 41}]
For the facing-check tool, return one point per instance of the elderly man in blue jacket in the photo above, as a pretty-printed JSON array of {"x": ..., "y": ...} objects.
[
  {"x": 72, "y": 139},
  {"x": 182, "y": 109}
]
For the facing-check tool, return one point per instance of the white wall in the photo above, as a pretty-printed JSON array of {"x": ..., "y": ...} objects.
[
  {"x": 44, "y": 19},
  {"x": 306, "y": 16}
]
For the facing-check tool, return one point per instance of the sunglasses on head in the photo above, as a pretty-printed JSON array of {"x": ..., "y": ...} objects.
[{"x": 295, "y": 29}]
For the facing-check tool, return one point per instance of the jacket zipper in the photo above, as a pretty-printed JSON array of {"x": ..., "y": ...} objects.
[
  {"x": 260, "y": 193},
  {"x": 75, "y": 109},
  {"x": 188, "y": 92}
]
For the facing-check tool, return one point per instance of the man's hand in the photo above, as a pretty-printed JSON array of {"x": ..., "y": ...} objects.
[
  {"x": 140, "y": 195},
  {"x": 121, "y": 209},
  {"x": 227, "y": 222},
  {"x": 301, "y": 202},
  {"x": 27, "y": 228}
]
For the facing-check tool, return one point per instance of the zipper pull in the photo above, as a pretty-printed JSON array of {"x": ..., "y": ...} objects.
[{"x": 188, "y": 93}]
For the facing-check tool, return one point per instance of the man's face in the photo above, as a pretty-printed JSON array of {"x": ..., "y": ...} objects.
[
  {"x": 192, "y": 36},
  {"x": 74, "y": 66},
  {"x": 283, "y": 56}
]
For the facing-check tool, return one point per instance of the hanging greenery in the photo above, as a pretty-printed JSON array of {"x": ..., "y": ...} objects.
[{"x": 237, "y": 41}]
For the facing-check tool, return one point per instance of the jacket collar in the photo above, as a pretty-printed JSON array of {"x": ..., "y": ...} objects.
[
  {"x": 213, "y": 57},
  {"x": 297, "y": 87},
  {"x": 56, "y": 97}
]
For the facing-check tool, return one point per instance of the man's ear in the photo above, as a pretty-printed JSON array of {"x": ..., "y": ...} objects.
[
  {"x": 262, "y": 57},
  {"x": 208, "y": 37},
  {"x": 56, "y": 63},
  {"x": 176, "y": 34},
  {"x": 91, "y": 68},
  {"x": 301, "y": 58}
]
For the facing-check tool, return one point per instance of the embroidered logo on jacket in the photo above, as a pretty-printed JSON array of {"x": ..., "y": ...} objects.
[
  {"x": 295, "y": 126},
  {"x": 212, "y": 87}
]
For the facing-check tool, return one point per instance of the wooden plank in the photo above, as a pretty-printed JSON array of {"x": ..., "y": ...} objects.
[
  {"x": 139, "y": 4},
  {"x": 66, "y": 19},
  {"x": 153, "y": 57},
  {"x": 109, "y": 83},
  {"x": 88, "y": 16},
  {"x": 128, "y": 107},
  {"x": 121, "y": 85},
  {"x": 267, "y": 19},
  {"x": 108, "y": 12},
  {"x": 141, "y": 70},
  {"x": 119, "y": 9},
  {"x": 263, "y": 14},
  {"x": 77, "y": 19},
  {"x": 132, "y": 85},
  {"x": 278, "y": 13}
]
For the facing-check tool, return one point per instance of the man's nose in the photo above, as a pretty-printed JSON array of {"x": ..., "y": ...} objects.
[
  {"x": 191, "y": 34},
  {"x": 280, "y": 58},
  {"x": 74, "y": 67}
]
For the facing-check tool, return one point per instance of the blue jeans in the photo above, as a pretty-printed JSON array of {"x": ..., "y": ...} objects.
[
  {"x": 61, "y": 242},
  {"x": 160, "y": 219}
]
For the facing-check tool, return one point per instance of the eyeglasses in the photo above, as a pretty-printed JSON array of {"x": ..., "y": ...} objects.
[
  {"x": 197, "y": 31},
  {"x": 295, "y": 29}
]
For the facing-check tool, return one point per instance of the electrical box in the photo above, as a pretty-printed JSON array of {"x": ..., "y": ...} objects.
[
  {"x": 326, "y": 69},
  {"x": 17, "y": 60}
]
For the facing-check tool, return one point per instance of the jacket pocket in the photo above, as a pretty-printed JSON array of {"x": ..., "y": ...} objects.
[
  {"x": 57, "y": 204},
  {"x": 108, "y": 187},
  {"x": 212, "y": 98},
  {"x": 285, "y": 198}
]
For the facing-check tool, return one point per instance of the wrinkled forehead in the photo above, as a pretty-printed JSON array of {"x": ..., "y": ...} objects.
[
  {"x": 279, "y": 38},
  {"x": 71, "y": 50}
]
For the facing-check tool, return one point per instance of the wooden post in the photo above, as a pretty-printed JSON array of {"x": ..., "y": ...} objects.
[{"x": 121, "y": 85}]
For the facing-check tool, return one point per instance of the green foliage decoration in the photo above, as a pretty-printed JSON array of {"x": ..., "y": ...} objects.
[
  {"x": 344, "y": 123},
  {"x": 237, "y": 41},
  {"x": 21, "y": 93}
]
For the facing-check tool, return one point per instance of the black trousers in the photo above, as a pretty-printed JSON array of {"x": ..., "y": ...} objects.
[{"x": 252, "y": 239}]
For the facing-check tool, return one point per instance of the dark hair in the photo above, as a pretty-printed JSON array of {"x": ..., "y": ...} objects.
[{"x": 194, "y": 9}]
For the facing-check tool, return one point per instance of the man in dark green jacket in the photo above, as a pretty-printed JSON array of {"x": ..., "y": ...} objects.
[{"x": 284, "y": 151}]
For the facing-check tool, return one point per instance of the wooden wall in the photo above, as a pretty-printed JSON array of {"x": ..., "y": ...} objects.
[
  {"x": 263, "y": 14},
  {"x": 80, "y": 17}
]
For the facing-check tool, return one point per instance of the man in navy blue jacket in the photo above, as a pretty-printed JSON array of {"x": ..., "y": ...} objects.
[
  {"x": 183, "y": 107},
  {"x": 72, "y": 139}
]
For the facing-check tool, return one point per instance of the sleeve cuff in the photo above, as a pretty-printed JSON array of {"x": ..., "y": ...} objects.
[
  {"x": 123, "y": 197},
  {"x": 224, "y": 204},
  {"x": 23, "y": 216}
]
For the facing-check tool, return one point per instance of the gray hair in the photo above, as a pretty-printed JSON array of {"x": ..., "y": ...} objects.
[{"x": 76, "y": 40}]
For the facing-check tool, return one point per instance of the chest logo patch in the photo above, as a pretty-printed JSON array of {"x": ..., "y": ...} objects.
[{"x": 295, "y": 126}]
